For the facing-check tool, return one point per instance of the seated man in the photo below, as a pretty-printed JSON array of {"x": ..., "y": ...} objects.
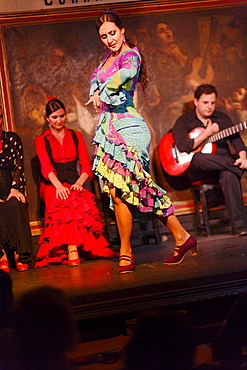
[{"x": 221, "y": 165}]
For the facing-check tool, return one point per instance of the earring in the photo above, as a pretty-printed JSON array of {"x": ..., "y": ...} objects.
[{"x": 124, "y": 40}]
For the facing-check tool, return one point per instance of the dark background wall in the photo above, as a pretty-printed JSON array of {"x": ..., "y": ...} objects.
[{"x": 182, "y": 49}]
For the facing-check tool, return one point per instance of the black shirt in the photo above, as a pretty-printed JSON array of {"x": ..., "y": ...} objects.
[{"x": 189, "y": 121}]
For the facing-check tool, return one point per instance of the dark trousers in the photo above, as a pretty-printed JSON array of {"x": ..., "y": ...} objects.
[{"x": 222, "y": 168}]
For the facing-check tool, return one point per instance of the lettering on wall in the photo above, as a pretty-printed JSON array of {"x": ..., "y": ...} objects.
[
  {"x": 12, "y": 6},
  {"x": 63, "y": 2}
]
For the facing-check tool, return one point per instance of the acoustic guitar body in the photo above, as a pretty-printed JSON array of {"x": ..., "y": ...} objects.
[{"x": 173, "y": 161}]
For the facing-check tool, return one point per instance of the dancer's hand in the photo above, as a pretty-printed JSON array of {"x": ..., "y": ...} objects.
[{"x": 95, "y": 100}]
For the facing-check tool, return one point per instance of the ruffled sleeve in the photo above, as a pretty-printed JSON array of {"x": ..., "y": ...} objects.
[
  {"x": 113, "y": 91},
  {"x": 94, "y": 84},
  {"x": 129, "y": 67}
]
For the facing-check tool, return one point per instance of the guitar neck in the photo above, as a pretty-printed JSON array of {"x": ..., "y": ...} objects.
[{"x": 227, "y": 132}]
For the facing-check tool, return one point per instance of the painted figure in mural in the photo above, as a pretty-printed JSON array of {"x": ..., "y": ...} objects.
[
  {"x": 170, "y": 60},
  {"x": 122, "y": 140},
  {"x": 170, "y": 66},
  {"x": 237, "y": 100},
  {"x": 227, "y": 57},
  {"x": 72, "y": 221},
  {"x": 15, "y": 234},
  {"x": 236, "y": 106},
  {"x": 222, "y": 165}
]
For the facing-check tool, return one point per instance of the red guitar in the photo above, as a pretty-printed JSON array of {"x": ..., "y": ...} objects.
[{"x": 176, "y": 163}]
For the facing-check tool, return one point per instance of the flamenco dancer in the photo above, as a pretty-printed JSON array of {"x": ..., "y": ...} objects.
[
  {"x": 72, "y": 221},
  {"x": 122, "y": 141}
]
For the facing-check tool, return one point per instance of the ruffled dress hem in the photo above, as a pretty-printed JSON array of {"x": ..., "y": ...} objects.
[
  {"x": 72, "y": 221},
  {"x": 118, "y": 164}
]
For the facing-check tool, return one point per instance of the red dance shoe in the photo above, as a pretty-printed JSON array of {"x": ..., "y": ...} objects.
[
  {"x": 75, "y": 261},
  {"x": 181, "y": 251},
  {"x": 21, "y": 266},
  {"x": 128, "y": 268},
  {"x": 4, "y": 266}
]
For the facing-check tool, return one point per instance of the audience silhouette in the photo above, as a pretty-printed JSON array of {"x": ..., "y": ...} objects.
[
  {"x": 161, "y": 340},
  {"x": 43, "y": 329},
  {"x": 6, "y": 301},
  {"x": 230, "y": 345}
]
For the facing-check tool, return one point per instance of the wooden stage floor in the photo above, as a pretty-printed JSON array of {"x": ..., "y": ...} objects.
[{"x": 95, "y": 288}]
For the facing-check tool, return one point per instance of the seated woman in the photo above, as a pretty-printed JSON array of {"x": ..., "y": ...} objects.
[
  {"x": 72, "y": 219},
  {"x": 15, "y": 234}
]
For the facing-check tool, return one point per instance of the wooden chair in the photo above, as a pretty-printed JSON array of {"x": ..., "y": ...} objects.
[{"x": 202, "y": 206}]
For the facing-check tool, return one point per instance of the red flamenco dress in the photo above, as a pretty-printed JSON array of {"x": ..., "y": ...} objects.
[{"x": 75, "y": 220}]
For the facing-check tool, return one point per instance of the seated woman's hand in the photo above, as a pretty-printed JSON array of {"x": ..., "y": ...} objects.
[
  {"x": 62, "y": 192},
  {"x": 16, "y": 194},
  {"x": 76, "y": 186}
]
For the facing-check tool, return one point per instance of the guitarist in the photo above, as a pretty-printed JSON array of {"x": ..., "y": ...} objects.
[{"x": 222, "y": 165}]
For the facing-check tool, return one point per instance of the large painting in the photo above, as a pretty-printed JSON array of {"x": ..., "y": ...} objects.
[{"x": 182, "y": 49}]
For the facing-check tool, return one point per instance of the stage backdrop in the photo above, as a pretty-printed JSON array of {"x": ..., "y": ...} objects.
[{"x": 184, "y": 45}]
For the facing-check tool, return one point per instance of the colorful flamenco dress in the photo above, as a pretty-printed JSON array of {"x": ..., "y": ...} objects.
[
  {"x": 122, "y": 139},
  {"x": 75, "y": 220}
]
